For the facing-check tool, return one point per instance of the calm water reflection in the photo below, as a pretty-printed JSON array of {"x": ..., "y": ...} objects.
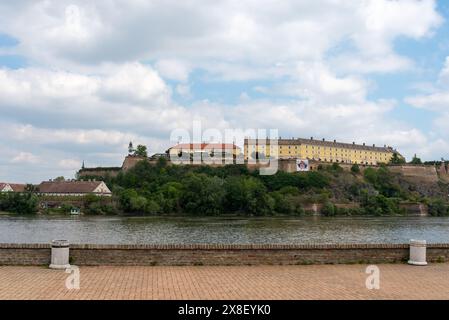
[{"x": 188, "y": 230}]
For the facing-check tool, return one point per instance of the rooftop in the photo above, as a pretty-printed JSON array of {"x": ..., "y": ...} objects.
[
  {"x": 16, "y": 187},
  {"x": 69, "y": 186},
  {"x": 202, "y": 146}
]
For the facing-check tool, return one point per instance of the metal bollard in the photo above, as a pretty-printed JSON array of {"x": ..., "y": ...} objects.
[
  {"x": 59, "y": 254},
  {"x": 418, "y": 253}
]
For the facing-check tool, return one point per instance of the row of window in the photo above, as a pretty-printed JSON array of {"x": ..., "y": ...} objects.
[{"x": 345, "y": 152}]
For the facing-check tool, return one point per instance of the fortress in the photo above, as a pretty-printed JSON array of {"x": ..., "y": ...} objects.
[
  {"x": 318, "y": 152},
  {"x": 106, "y": 172}
]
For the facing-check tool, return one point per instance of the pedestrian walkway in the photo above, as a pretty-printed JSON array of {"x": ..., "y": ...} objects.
[{"x": 397, "y": 281}]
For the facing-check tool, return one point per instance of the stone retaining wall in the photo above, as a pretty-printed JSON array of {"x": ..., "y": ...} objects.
[{"x": 150, "y": 255}]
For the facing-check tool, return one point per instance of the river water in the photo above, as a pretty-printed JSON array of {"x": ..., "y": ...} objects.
[{"x": 191, "y": 230}]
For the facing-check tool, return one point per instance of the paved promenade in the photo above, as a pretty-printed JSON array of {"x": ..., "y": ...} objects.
[{"x": 397, "y": 281}]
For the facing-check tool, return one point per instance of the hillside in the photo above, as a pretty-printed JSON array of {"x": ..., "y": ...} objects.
[{"x": 202, "y": 190}]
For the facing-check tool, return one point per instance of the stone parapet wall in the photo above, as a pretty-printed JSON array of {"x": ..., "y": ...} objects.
[
  {"x": 417, "y": 172},
  {"x": 185, "y": 255},
  {"x": 89, "y": 173}
]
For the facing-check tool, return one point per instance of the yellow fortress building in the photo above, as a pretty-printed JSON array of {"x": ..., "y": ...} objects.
[{"x": 319, "y": 150}]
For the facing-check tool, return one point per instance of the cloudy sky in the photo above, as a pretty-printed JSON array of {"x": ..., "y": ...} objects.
[{"x": 80, "y": 79}]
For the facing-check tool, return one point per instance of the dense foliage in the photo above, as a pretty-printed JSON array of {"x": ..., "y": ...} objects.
[
  {"x": 24, "y": 203},
  {"x": 206, "y": 190}
]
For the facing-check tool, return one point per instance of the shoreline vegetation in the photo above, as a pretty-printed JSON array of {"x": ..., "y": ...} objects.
[{"x": 163, "y": 189}]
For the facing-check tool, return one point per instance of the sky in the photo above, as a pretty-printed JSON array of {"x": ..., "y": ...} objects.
[{"x": 80, "y": 79}]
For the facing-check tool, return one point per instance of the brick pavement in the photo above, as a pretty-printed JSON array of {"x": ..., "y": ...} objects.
[{"x": 397, "y": 281}]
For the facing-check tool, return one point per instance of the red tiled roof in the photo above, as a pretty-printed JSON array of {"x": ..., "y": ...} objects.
[
  {"x": 68, "y": 186},
  {"x": 207, "y": 146},
  {"x": 16, "y": 187}
]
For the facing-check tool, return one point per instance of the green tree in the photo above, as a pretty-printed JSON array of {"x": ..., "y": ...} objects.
[
  {"x": 438, "y": 208},
  {"x": 22, "y": 203},
  {"x": 126, "y": 198},
  {"x": 31, "y": 188},
  {"x": 370, "y": 175},
  {"x": 203, "y": 195},
  {"x": 383, "y": 181},
  {"x": 141, "y": 151},
  {"x": 396, "y": 159},
  {"x": 138, "y": 204},
  {"x": 416, "y": 160},
  {"x": 169, "y": 197},
  {"x": 328, "y": 209},
  {"x": 282, "y": 203},
  {"x": 380, "y": 205},
  {"x": 317, "y": 179},
  {"x": 249, "y": 195},
  {"x": 355, "y": 168}
]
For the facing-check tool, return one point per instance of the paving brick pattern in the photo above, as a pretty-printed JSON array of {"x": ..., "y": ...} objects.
[{"x": 397, "y": 281}]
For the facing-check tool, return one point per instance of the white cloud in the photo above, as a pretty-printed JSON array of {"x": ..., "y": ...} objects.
[
  {"x": 135, "y": 83},
  {"x": 409, "y": 18},
  {"x": 24, "y": 158},
  {"x": 436, "y": 101},
  {"x": 31, "y": 134},
  {"x": 173, "y": 69},
  {"x": 69, "y": 164},
  {"x": 387, "y": 63},
  {"x": 438, "y": 98},
  {"x": 316, "y": 82},
  {"x": 127, "y": 95},
  {"x": 215, "y": 32}
]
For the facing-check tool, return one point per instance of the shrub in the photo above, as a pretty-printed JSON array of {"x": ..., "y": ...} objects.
[
  {"x": 336, "y": 168},
  {"x": 293, "y": 191},
  {"x": 23, "y": 203},
  {"x": 380, "y": 205},
  {"x": 355, "y": 169},
  {"x": 248, "y": 194},
  {"x": 202, "y": 194},
  {"x": 152, "y": 207},
  {"x": 282, "y": 203},
  {"x": 317, "y": 180},
  {"x": 438, "y": 208},
  {"x": 328, "y": 209}
]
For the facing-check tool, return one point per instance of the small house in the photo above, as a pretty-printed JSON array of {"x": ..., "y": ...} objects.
[
  {"x": 12, "y": 187},
  {"x": 74, "y": 188}
]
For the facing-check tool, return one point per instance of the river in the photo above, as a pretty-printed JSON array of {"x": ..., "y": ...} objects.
[{"x": 219, "y": 230}]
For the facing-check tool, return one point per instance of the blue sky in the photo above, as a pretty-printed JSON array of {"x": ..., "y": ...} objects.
[{"x": 99, "y": 75}]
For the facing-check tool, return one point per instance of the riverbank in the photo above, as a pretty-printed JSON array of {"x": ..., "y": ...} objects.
[{"x": 309, "y": 213}]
